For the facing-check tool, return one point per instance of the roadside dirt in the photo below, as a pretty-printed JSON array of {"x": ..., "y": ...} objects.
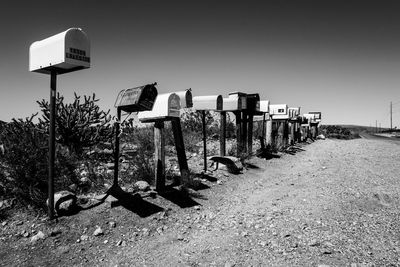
[{"x": 334, "y": 204}]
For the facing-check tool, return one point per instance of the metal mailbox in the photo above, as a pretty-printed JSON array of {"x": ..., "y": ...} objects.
[
  {"x": 165, "y": 107},
  {"x": 317, "y": 116},
  {"x": 210, "y": 102},
  {"x": 264, "y": 106},
  {"x": 64, "y": 52},
  {"x": 137, "y": 99},
  {"x": 279, "y": 111},
  {"x": 253, "y": 102},
  {"x": 186, "y": 98},
  {"x": 234, "y": 102},
  {"x": 294, "y": 113}
]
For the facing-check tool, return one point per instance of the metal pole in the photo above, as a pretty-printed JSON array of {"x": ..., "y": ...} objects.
[
  {"x": 116, "y": 149},
  {"x": 52, "y": 150},
  {"x": 203, "y": 119},
  {"x": 222, "y": 137}
]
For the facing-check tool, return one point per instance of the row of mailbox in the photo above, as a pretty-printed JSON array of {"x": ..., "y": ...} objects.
[
  {"x": 70, "y": 51},
  {"x": 166, "y": 105}
]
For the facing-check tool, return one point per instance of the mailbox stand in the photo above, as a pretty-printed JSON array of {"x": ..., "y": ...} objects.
[
  {"x": 253, "y": 108},
  {"x": 166, "y": 108},
  {"x": 203, "y": 103},
  {"x": 130, "y": 100},
  {"x": 65, "y": 52}
]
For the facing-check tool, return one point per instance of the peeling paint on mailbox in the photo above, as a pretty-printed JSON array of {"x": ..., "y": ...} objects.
[
  {"x": 64, "y": 52},
  {"x": 137, "y": 99}
]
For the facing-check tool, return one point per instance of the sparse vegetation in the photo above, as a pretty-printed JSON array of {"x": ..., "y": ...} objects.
[{"x": 339, "y": 132}]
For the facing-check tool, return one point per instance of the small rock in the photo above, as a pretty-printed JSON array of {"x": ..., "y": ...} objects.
[
  {"x": 123, "y": 243},
  {"x": 84, "y": 237},
  {"x": 142, "y": 186},
  {"x": 197, "y": 207},
  {"x": 78, "y": 241},
  {"x": 19, "y": 223},
  {"x": 38, "y": 236},
  {"x": 314, "y": 243},
  {"x": 219, "y": 182},
  {"x": 26, "y": 234},
  {"x": 245, "y": 234},
  {"x": 105, "y": 241},
  {"x": 55, "y": 232},
  {"x": 180, "y": 238},
  {"x": 64, "y": 202},
  {"x": 112, "y": 224},
  {"x": 4, "y": 223},
  {"x": 145, "y": 232},
  {"x": 119, "y": 243},
  {"x": 98, "y": 231}
]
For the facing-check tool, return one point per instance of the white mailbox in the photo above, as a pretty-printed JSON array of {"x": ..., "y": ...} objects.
[
  {"x": 279, "y": 111},
  {"x": 210, "y": 102},
  {"x": 309, "y": 117},
  {"x": 64, "y": 52},
  {"x": 186, "y": 98},
  {"x": 234, "y": 102},
  {"x": 317, "y": 116},
  {"x": 165, "y": 107},
  {"x": 264, "y": 106}
]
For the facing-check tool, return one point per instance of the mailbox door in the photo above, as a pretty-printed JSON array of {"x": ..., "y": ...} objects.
[{"x": 173, "y": 105}]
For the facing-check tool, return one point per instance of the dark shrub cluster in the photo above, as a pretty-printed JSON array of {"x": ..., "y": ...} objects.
[{"x": 339, "y": 132}]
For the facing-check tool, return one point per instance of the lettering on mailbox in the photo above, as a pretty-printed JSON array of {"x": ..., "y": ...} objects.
[{"x": 77, "y": 54}]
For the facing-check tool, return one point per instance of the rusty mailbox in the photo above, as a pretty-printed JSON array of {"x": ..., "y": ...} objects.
[
  {"x": 64, "y": 52},
  {"x": 137, "y": 99},
  {"x": 253, "y": 103},
  {"x": 165, "y": 107}
]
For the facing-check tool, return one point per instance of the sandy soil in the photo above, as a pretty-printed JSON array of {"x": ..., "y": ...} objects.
[{"x": 334, "y": 204}]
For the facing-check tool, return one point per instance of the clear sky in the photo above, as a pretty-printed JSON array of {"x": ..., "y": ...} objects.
[{"x": 338, "y": 57}]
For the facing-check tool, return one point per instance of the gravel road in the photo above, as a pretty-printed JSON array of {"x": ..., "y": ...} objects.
[{"x": 334, "y": 204}]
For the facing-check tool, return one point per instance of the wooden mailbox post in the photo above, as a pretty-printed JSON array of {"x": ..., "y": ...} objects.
[
  {"x": 279, "y": 118},
  {"x": 314, "y": 123},
  {"x": 253, "y": 108},
  {"x": 136, "y": 99},
  {"x": 204, "y": 103},
  {"x": 166, "y": 108},
  {"x": 236, "y": 103},
  {"x": 62, "y": 53},
  {"x": 264, "y": 111},
  {"x": 293, "y": 124}
]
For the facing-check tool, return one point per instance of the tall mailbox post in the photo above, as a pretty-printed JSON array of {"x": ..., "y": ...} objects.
[
  {"x": 264, "y": 111},
  {"x": 62, "y": 53},
  {"x": 203, "y": 104}
]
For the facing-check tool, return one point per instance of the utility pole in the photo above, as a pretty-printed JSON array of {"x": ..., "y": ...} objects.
[{"x": 391, "y": 115}]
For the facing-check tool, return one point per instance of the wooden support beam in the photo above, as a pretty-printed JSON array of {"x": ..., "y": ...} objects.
[
  {"x": 239, "y": 133},
  {"x": 250, "y": 133},
  {"x": 268, "y": 132},
  {"x": 180, "y": 150},
  {"x": 222, "y": 136},
  {"x": 244, "y": 131},
  {"x": 159, "y": 144}
]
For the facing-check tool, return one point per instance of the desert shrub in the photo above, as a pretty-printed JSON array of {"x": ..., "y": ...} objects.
[
  {"x": 79, "y": 124},
  {"x": 339, "y": 132},
  {"x": 24, "y": 166},
  {"x": 138, "y": 142}
]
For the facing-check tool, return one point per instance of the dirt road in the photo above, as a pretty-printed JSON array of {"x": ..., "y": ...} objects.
[{"x": 334, "y": 204}]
